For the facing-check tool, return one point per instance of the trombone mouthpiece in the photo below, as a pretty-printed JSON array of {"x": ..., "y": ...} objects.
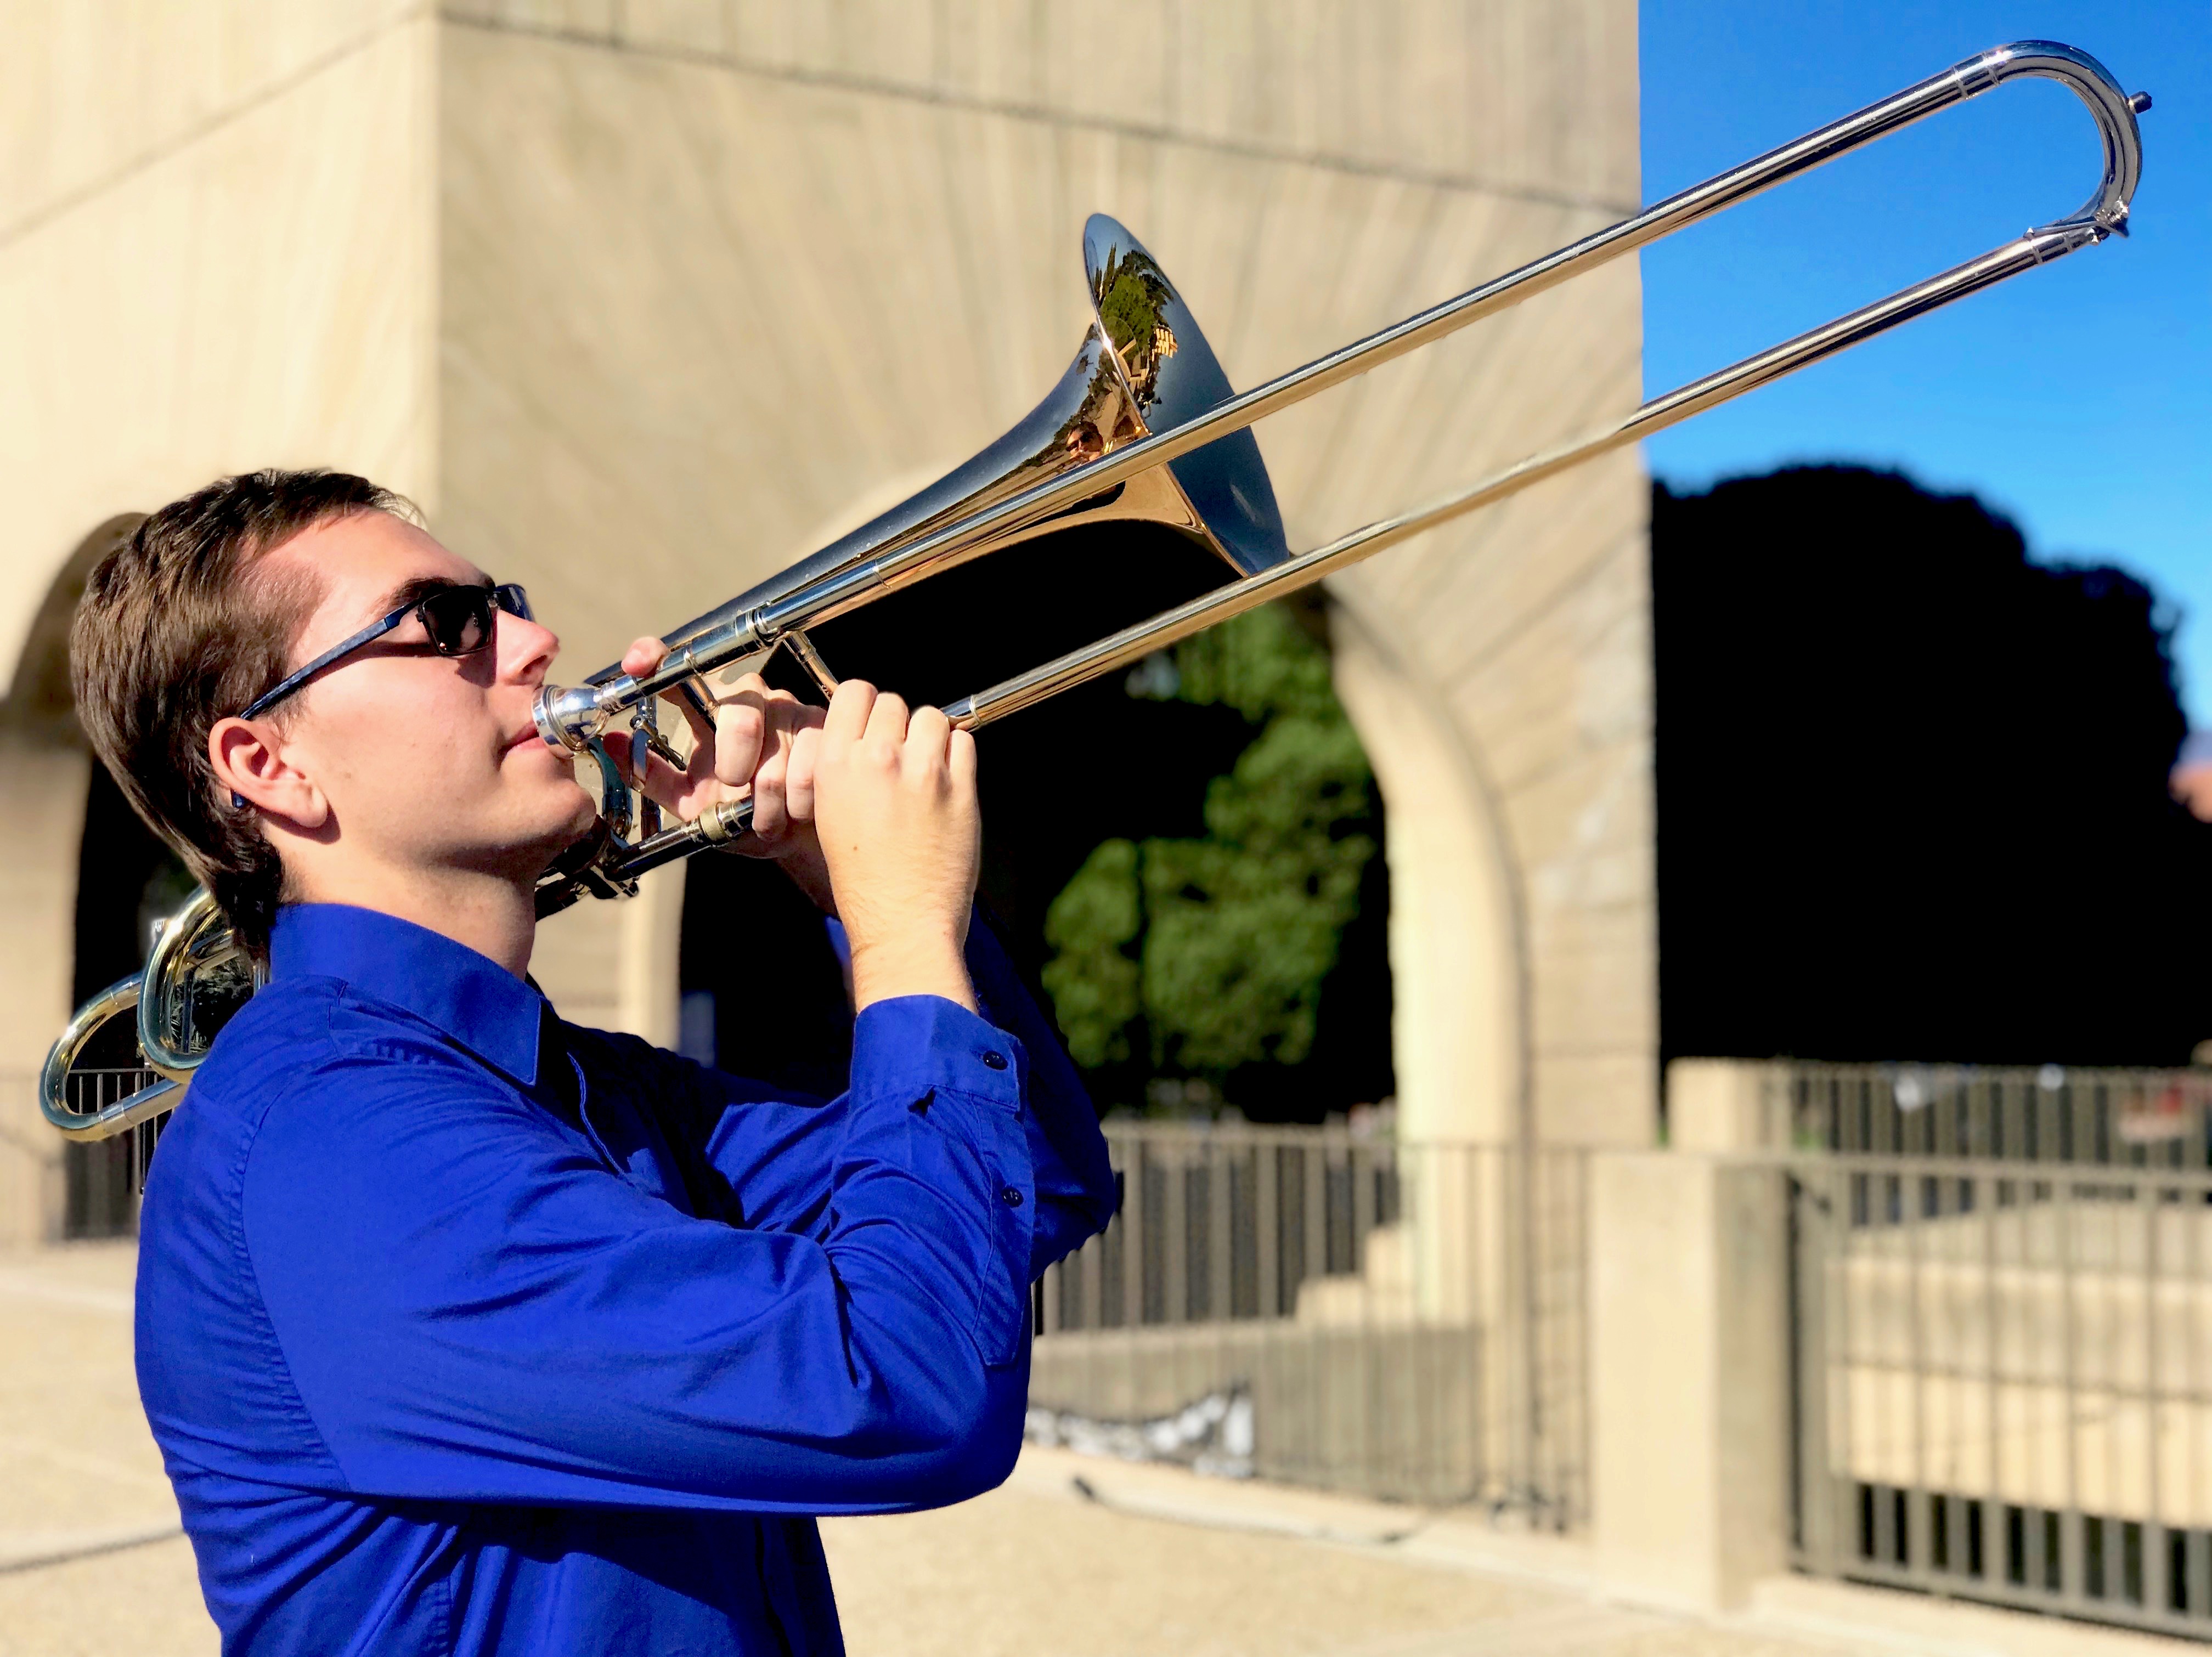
[{"x": 569, "y": 718}]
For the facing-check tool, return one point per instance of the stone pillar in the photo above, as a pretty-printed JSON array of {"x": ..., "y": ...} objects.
[
  {"x": 1689, "y": 1376},
  {"x": 647, "y": 994},
  {"x": 1455, "y": 967},
  {"x": 1727, "y": 1104},
  {"x": 42, "y": 794},
  {"x": 1458, "y": 1021}
]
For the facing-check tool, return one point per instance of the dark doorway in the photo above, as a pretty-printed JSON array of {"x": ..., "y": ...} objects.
[
  {"x": 764, "y": 990},
  {"x": 764, "y": 993},
  {"x": 128, "y": 883}
]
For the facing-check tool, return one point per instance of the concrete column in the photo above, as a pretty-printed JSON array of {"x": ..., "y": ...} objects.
[
  {"x": 1720, "y": 1105},
  {"x": 1455, "y": 976},
  {"x": 1459, "y": 1032},
  {"x": 647, "y": 994},
  {"x": 42, "y": 794},
  {"x": 1689, "y": 1376}
]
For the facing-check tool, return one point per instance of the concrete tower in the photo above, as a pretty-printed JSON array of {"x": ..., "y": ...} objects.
[{"x": 642, "y": 299}]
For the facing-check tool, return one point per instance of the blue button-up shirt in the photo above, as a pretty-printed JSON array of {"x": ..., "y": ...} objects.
[{"x": 465, "y": 1330}]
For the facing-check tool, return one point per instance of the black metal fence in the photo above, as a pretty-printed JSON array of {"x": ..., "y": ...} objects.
[
  {"x": 2118, "y": 1118},
  {"x": 102, "y": 1178},
  {"x": 2004, "y": 1378},
  {"x": 1311, "y": 1305}
]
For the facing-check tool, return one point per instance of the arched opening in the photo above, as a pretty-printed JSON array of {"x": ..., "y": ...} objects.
[
  {"x": 1132, "y": 760},
  {"x": 128, "y": 883},
  {"x": 1190, "y": 857},
  {"x": 763, "y": 992},
  {"x": 90, "y": 880}
]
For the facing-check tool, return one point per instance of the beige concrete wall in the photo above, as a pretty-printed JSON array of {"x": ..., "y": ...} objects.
[
  {"x": 612, "y": 966},
  {"x": 42, "y": 800},
  {"x": 713, "y": 272},
  {"x": 218, "y": 236},
  {"x": 218, "y": 254},
  {"x": 651, "y": 293}
]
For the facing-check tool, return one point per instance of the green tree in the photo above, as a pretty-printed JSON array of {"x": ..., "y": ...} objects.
[
  {"x": 1207, "y": 955},
  {"x": 1091, "y": 977}
]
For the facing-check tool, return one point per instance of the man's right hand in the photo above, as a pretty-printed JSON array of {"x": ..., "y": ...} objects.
[{"x": 893, "y": 798}]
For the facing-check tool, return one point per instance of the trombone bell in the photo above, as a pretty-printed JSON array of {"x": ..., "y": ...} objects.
[{"x": 1004, "y": 602}]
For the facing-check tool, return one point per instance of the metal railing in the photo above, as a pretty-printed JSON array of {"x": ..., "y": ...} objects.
[
  {"x": 103, "y": 1179},
  {"x": 1306, "y": 1304},
  {"x": 2148, "y": 1119},
  {"x": 2003, "y": 1381},
  {"x": 1313, "y": 1306}
]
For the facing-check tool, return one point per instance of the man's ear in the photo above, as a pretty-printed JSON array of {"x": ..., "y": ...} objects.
[{"x": 250, "y": 763}]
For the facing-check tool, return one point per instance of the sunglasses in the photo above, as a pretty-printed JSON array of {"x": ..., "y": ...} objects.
[{"x": 458, "y": 620}]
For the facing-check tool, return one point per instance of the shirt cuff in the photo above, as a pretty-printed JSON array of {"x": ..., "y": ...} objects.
[{"x": 909, "y": 1044}]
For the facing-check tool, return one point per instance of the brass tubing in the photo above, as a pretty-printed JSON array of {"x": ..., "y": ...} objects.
[
  {"x": 1169, "y": 626},
  {"x": 2103, "y": 214}
]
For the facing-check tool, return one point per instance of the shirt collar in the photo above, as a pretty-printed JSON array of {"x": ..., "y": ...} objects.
[{"x": 470, "y": 997}]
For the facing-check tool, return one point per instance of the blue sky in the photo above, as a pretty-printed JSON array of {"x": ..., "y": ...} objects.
[{"x": 2077, "y": 399}]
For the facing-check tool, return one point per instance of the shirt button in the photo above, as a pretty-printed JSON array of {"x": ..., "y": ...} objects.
[
  {"x": 992, "y": 1061},
  {"x": 1010, "y": 1197}
]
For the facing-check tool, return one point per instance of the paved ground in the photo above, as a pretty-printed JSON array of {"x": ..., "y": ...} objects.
[{"x": 1072, "y": 1559}]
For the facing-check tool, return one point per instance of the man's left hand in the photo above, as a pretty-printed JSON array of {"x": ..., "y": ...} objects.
[{"x": 746, "y": 751}]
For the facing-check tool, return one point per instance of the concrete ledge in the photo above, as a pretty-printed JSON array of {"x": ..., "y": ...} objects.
[
  {"x": 1170, "y": 1493},
  {"x": 1802, "y": 1614},
  {"x": 1386, "y": 1411},
  {"x": 1882, "y": 1619}
]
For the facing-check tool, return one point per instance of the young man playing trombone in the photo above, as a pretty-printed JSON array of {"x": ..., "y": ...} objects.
[{"x": 465, "y": 1330}]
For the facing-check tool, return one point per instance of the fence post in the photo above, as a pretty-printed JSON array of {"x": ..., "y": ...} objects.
[
  {"x": 1689, "y": 1374},
  {"x": 1727, "y": 1104}
]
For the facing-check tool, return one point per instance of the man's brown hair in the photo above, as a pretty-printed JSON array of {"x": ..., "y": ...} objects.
[{"x": 176, "y": 631}]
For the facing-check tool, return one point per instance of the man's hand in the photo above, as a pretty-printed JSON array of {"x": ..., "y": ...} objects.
[
  {"x": 893, "y": 798},
  {"x": 748, "y": 749}
]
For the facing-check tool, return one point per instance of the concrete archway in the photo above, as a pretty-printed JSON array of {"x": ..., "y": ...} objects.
[
  {"x": 898, "y": 297},
  {"x": 1457, "y": 963},
  {"x": 45, "y": 774}
]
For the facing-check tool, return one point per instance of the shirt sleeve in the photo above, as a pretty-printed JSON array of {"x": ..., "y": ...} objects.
[
  {"x": 1076, "y": 1194},
  {"x": 774, "y": 1154},
  {"x": 473, "y": 1307}
]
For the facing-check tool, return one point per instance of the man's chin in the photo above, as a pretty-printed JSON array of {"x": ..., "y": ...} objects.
[
  {"x": 573, "y": 832},
  {"x": 533, "y": 851}
]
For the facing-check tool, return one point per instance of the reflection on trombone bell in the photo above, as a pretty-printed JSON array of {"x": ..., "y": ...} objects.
[{"x": 1140, "y": 453}]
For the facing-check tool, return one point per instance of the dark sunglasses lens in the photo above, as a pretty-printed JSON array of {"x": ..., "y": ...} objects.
[
  {"x": 459, "y": 620},
  {"x": 514, "y": 600}
]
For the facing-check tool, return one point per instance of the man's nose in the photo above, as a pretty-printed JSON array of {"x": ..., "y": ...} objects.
[{"x": 525, "y": 649}]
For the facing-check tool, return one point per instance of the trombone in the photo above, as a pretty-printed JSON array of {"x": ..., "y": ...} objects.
[{"x": 1142, "y": 435}]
